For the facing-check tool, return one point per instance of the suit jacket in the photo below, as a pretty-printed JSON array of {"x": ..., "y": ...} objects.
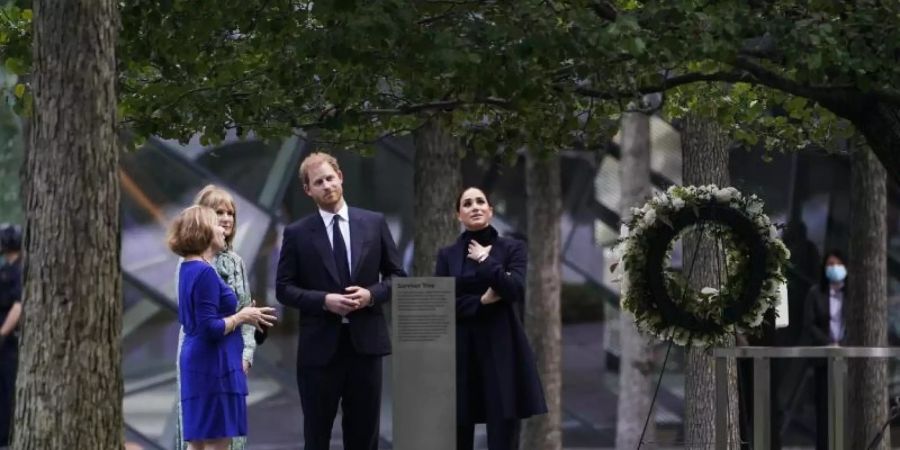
[
  {"x": 496, "y": 376},
  {"x": 307, "y": 272}
]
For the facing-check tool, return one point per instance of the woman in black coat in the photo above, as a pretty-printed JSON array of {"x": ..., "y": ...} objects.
[
  {"x": 823, "y": 324},
  {"x": 496, "y": 378}
]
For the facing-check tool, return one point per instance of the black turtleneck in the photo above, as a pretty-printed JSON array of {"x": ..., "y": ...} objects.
[{"x": 485, "y": 236}]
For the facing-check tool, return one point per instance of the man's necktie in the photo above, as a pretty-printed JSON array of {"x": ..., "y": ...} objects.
[{"x": 340, "y": 252}]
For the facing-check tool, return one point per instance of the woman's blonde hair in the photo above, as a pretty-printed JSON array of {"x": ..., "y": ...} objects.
[
  {"x": 214, "y": 197},
  {"x": 193, "y": 231}
]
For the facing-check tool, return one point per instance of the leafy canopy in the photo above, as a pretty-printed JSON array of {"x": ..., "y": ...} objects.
[{"x": 553, "y": 73}]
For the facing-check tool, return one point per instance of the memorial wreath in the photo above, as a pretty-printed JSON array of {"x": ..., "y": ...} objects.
[{"x": 749, "y": 261}]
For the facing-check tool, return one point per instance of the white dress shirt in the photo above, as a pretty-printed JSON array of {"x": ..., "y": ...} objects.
[
  {"x": 344, "y": 226},
  {"x": 835, "y": 309}
]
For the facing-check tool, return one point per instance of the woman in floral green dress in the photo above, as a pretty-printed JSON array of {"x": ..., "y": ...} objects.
[{"x": 230, "y": 267}]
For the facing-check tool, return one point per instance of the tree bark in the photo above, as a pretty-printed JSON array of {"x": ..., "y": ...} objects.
[
  {"x": 437, "y": 182},
  {"x": 705, "y": 147},
  {"x": 879, "y": 122},
  {"x": 542, "y": 313},
  {"x": 636, "y": 363},
  {"x": 865, "y": 306},
  {"x": 69, "y": 387}
]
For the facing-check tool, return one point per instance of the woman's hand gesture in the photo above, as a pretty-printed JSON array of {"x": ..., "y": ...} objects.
[
  {"x": 259, "y": 317},
  {"x": 489, "y": 297},
  {"x": 478, "y": 252}
]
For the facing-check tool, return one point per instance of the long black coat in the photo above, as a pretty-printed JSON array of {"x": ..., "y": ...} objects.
[{"x": 496, "y": 377}]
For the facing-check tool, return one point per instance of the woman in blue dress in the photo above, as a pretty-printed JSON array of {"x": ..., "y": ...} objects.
[
  {"x": 497, "y": 380},
  {"x": 230, "y": 268},
  {"x": 213, "y": 384}
]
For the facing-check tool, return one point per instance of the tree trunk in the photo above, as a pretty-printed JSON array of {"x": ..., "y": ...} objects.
[
  {"x": 542, "y": 315},
  {"x": 437, "y": 182},
  {"x": 636, "y": 363},
  {"x": 705, "y": 148},
  {"x": 866, "y": 301},
  {"x": 879, "y": 122},
  {"x": 69, "y": 387}
]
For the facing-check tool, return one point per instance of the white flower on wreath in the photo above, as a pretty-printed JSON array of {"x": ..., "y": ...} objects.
[
  {"x": 759, "y": 318},
  {"x": 618, "y": 273},
  {"x": 677, "y": 203},
  {"x": 761, "y": 221},
  {"x": 661, "y": 199},
  {"x": 726, "y": 195},
  {"x": 649, "y": 217},
  {"x": 754, "y": 208}
]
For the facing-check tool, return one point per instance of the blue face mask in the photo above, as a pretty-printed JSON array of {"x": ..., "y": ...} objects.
[{"x": 836, "y": 273}]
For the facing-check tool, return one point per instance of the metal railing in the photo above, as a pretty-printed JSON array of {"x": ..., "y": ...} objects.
[{"x": 762, "y": 356}]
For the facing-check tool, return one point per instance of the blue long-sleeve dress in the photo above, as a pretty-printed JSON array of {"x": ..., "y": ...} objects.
[
  {"x": 230, "y": 268},
  {"x": 213, "y": 385}
]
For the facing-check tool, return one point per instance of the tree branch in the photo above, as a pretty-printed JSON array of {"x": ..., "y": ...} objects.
[
  {"x": 748, "y": 71},
  {"x": 773, "y": 80},
  {"x": 669, "y": 83},
  {"x": 432, "y": 106},
  {"x": 604, "y": 10}
]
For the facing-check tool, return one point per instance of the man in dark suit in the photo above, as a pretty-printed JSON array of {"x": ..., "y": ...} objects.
[{"x": 336, "y": 267}]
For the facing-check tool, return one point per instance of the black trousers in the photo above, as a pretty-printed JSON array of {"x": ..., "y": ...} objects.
[
  {"x": 502, "y": 435},
  {"x": 8, "y": 364},
  {"x": 350, "y": 380}
]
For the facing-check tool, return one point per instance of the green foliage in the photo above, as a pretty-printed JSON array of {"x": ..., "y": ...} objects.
[
  {"x": 11, "y": 156},
  {"x": 761, "y": 118},
  {"x": 547, "y": 74},
  {"x": 15, "y": 41},
  {"x": 790, "y": 64}
]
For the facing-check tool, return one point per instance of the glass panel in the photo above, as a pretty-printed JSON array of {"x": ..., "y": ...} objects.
[
  {"x": 665, "y": 154},
  {"x": 246, "y": 165},
  {"x": 606, "y": 184},
  {"x": 156, "y": 186}
]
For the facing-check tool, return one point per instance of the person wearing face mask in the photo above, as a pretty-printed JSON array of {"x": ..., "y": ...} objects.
[
  {"x": 824, "y": 325},
  {"x": 497, "y": 381},
  {"x": 213, "y": 387},
  {"x": 824, "y": 303},
  {"x": 10, "y": 313}
]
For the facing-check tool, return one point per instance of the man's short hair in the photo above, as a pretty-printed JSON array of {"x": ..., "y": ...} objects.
[
  {"x": 193, "y": 231},
  {"x": 313, "y": 160},
  {"x": 213, "y": 197}
]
